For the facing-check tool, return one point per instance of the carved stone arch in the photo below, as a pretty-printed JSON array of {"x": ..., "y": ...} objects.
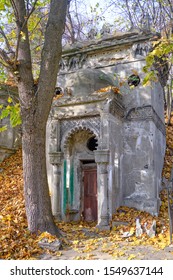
[{"x": 66, "y": 137}]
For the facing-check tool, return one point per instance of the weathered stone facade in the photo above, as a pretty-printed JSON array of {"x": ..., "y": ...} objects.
[
  {"x": 10, "y": 139},
  {"x": 107, "y": 123}
]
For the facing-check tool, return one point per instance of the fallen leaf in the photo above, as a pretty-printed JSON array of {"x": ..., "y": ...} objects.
[{"x": 131, "y": 257}]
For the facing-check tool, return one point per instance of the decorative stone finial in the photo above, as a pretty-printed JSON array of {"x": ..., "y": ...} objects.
[
  {"x": 92, "y": 34},
  {"x": 145, "y": 23},
  {"x": 105, "y": 29}
]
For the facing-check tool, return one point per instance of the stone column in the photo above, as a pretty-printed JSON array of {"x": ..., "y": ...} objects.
[
  {"x": 102, "y": 160},
  {"x": 56, "y": 160}
]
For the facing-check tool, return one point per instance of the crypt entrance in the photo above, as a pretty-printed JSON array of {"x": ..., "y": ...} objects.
[
  {"x": 85, "y": 150},
  {"x": 106, "y": 132},
  {"x": 81, "y": 175},
  {"x": 89, "y": 179}
]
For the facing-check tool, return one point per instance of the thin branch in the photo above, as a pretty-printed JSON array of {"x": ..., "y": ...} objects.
[
  {"x": 27, "y": 5},
  {"x": 28, "y": 16},
  {"x": 17, "y": 49},
  {"x": 40, "y": 45},
  {"x": 5, "y": 60},
  {"x": 20, "y": 28},
  {"x": 15, "y": 9},
  {"x": 3, "y": 63},
  {"x": 32, "y": 10},
  {"x": 6, "y": 41},
  {"x": 37, "y": 23},
  {"x": 71, "y": 27},
  {"x": 129, "y": 14},
  {"x": 170, "y": 5}
]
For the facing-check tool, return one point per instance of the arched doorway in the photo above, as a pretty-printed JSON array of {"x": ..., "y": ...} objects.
[
  {"x": 82, "y": 186},
  {"x": 90, "y": 183},
  {"x": 89, "y": 191}
]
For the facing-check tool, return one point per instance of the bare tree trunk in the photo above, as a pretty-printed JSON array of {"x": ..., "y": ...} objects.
[
  {"x": 37, "y": 198},
  {"x": 169, "y": 98},
  {"x": 35, "y": 101}
]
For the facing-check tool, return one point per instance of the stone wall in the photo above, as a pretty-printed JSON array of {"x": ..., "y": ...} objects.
[
  {"x": 10, "y": 139},
  {"x": 115, "y": 166},
  {"x": 143, "y": 146},
  {"x": 131, "y": 129}
]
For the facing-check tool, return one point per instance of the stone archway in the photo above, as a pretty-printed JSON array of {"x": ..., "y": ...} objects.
[
  {"x": 78, "y": 147},
  {"x": 70, "y": 127}
]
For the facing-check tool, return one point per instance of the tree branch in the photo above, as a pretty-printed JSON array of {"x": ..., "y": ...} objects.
[
  {"x": 6, "y": 41},
  {"x": 51, "y": 52},
  {"x": 14, "y": 9},
  {"x": 22, "y": 61},
  {"x": 5, "y": 60},
  {"x": 71, "y": 27},
  {"x": 21, "y": 25},
  {"x": 32, "y": 10},
  {"x": 129, "y": 13}
]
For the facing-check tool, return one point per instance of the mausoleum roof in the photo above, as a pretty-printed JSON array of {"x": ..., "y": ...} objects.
[{"x": 86, "y": 81}]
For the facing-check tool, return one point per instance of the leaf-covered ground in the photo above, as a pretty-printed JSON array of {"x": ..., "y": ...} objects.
[{"x": 80, "y": 240}]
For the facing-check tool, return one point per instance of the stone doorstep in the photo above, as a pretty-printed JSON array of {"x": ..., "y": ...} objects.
[
  {"x": 169, "y": 248},
  {"x": 52, "y": 246},
  {"x": 119, "y": 223},
  {"x": 103, "y": 227}
]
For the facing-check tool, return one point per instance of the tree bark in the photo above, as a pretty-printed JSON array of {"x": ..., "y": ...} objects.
[
  {"x": 35, "y": 101},
  {"x": 37, "y": 198}
]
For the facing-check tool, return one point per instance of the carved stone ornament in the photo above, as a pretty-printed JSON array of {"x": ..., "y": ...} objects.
[
  {"x": 69, "y": 127},
  {"x": 92, "y": 34},
  {"x": 146, "y": 113},
  {"x": 141, "y": 49},
  {"x": 53, "y": 130},
  {"x": 55, "y": 158},
  {"x": 72, "y": 63},
  {"x": 93, "y": 123},
  {"x": 106, "y": 30},
  {"x": 145, "y": 23},
  {"x": 116, "y": 108}
]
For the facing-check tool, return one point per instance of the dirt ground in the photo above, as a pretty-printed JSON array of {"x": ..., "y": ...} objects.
[
  {"x": 103, "y": 246},
  {"x": 140, "y": 252}
]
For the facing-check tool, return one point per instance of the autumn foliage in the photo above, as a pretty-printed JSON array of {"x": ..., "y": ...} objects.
[
  {"x": 16, "y": 242},
  {"x": 168, "y": 164}
]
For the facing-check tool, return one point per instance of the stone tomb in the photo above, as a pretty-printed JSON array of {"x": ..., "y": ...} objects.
[{"x": 106, "y": 132}]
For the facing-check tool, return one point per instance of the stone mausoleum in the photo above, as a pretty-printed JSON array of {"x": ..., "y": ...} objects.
[{"x": 106, "y": 132}]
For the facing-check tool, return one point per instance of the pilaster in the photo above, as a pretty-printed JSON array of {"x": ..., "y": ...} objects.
[
  {"x": 102, "y": 160},
  {"x": 56, "y": 160}
]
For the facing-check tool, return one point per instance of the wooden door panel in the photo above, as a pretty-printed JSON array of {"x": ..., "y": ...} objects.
[{"x": 90, "y": 194}]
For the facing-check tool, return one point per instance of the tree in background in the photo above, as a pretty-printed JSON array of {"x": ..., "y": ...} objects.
[
  {"x": 30, "y": 40},
  {"x": 151, "y": 16},
  {"x": 81, "y": 18},
  {"x": 18, "y": 40}
]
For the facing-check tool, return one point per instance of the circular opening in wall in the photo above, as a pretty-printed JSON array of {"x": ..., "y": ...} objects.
[
  {"x": 92, "y": 144},
  {"x": 58, "y": 90},
  {"x": 133, "y": 80}
]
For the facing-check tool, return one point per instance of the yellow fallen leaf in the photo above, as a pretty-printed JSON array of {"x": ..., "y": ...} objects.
[
  {"x": 131, "y": 257},
  {"x": 76, "y": 242},
  {"x": 121, "y": 253},
  {"x": 89, "y": 257}
]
